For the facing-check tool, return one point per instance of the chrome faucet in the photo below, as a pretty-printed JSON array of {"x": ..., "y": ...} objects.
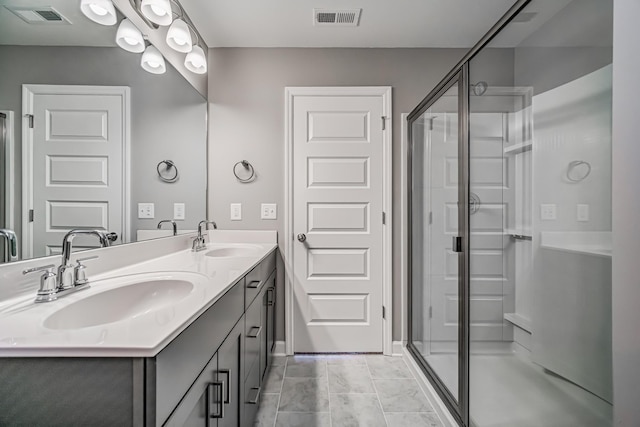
[
  {"x": 198, "y": 242},
  {"x": 65, "y": 277},
  {"x": 169, "y": 221},
  {"x": 11, "y": 248}
]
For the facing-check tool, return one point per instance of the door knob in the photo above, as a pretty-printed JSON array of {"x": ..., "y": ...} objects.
[{"x": 302, "y": 237}]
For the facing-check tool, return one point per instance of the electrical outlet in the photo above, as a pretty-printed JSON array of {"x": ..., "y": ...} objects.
[
  {"x": 582, "y": 213},
  {"x": 548, "y": 212},
  {"x": 236, "y": 211},
  {"x": 269, "y": 211},
  {"x": 178, "y": 211},
  {"x": 146, "y": 211}
]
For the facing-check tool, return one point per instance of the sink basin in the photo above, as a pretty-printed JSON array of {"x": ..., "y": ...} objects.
[
  {"x": 128, "y": 301},
  {"x": 233, "y": 251}
]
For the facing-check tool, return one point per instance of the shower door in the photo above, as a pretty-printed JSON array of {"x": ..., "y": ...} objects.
[{"x": 436, "y": 238}]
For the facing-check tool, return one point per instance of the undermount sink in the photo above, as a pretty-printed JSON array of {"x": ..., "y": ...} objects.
[
  {"x": 134, "y": 298},
  {"x": 233, "y": 251}
]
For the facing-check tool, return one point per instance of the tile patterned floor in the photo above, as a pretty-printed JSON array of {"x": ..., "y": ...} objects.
[{"x": 343, "y": 391}]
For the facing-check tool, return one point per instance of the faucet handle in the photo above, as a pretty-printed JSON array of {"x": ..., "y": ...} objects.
[
  {"x": 79, "y": 271},
  {"x": 48, "y": 283}
]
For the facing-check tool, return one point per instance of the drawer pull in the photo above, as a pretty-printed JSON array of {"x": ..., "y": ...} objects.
[
  {"x": 270, "y": 299},
  {"x": 212, "y": 398},
  {"x": 227, "y": 372},
  {"x": 254, "y": 284},
  {"x": 255, "y": 334},
  {"x": 256, "y": 398}
]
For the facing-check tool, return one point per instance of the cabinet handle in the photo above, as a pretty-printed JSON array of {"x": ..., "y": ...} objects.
[
  {"x": 270, "y": 300},
  {"x": 256, "y": 399},
  {"x": 254, "y": 284},
  {"x": 254, "y": 335},
  {"x": 211, "y": 394},
  {"x": 227, "y": 372}
]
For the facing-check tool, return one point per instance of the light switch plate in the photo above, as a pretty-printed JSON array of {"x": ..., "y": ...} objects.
[
  {"x": 236, "y": 211},
  {"x": 178, "y": 211},
  {"x": 548, "y": 212},
  {"x": 269, "y": 211},
  {"x": 146, "y": 211},
  {"x": 582, "y": 212}
]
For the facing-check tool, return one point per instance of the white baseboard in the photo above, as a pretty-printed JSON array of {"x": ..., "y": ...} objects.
[
  {"x": 280, "y": 349},
  {"x": 397, "y": 348},
  {"x": 432, "y": 396}
]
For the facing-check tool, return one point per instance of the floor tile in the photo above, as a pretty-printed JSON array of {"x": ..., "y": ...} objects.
[
  {"x": 413, "y": 419},
  {"x": 279, "y": 360},
  {"x": 401, "y": 395},
  {"x": 306, "y": 419},
  {"x": 273, "y": 383},
  {"x": 388, "y": 367},
  {"x": 304, "y": 395},
  {"x": 345, "y": 359},
  {"x": 306, "y": 367},
  {"x": 353, "y": 410},
  {"x": 349, "y": 379},
  {"x": 268, "y": 410}
]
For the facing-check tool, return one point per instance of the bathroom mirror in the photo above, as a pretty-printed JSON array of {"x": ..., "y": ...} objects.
[{"x": 84, "y": 92}]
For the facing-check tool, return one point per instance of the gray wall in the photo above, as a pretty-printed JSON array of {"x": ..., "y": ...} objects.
[
  {"x": 626, "y": 208},
  {"x": 246, "y": 96},
  {"x": 167, "y": 121}
]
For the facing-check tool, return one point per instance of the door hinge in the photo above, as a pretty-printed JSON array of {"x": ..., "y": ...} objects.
[
  {"x": 30, "y": 118},
  {"x": 456, "y": 244},
  {"x": 430, "y": 217},
  {"x": 431, "y": 119},
  {"x": 384, "y": 312},
  {"x": 430, "y": 312},
  {"x": 384, "y": 124},
  {"x": 384, "y": 218},
  {"x": 30, "y": 215}
]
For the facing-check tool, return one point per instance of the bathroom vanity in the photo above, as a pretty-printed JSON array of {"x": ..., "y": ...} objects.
[{"x": 181, "y": 339}]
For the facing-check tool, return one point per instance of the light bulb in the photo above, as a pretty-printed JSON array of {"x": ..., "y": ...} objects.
[
  {"x": 152, "y": 61},
  {"x": 196, "y": 61},
  {"x": 179, "y": 36},
  {"x": 100, "y": 11},
  {"x": 157, "y": 11},
  {"x": 129, "y": 37}
]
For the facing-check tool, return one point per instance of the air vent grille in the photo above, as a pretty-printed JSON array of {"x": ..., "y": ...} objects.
[
  {"x": 38, "y": 14},
  {"x": 342, "y": 17}
]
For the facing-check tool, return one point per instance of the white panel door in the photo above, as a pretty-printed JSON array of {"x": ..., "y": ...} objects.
[
  {"x": 77, "y": 171},
  {"x": 337, "y": 205}
]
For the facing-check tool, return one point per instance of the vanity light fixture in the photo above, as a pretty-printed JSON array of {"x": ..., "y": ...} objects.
[
  {"x": 157, "y": 11},
  {"x": 100, "y": 11},
  {"x": 153, "y": 61},
  {"x": 129, "y": 37},
  {"x": 196, "y": 61},
  {"x": 179, "y": 36}
]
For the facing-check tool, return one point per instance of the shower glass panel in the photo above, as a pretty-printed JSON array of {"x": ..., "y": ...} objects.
[
  {"x": 540, "y": 219},
  {"x": 434, "y": 223}
]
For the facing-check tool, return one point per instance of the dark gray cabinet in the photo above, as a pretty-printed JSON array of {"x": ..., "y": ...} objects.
[{"x": 211, "y": 374}]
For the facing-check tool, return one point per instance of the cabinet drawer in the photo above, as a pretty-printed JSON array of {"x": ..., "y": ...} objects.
[
  {"x": 251, "y": 396},
  {"x": 253, "y": 335},
  {"x": 256, "y": 278},
  {"x": 175, "y": 368}
]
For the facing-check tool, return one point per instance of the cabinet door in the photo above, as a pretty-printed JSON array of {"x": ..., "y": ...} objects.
[
  {"x": 202, "y": 405},
  {"x": 271, "y": 320},
  {"x": 229, "y": 363}
]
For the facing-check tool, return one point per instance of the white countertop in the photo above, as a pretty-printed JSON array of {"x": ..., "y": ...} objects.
[{"x": 23, "y": 334}]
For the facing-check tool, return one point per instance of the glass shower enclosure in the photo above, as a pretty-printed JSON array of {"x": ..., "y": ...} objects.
[{"x": 510, "y": 222}]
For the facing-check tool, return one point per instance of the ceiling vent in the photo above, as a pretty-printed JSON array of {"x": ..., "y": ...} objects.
[
  {"x": 38, "y": 14},
  {"x": 336, "y": 17}
]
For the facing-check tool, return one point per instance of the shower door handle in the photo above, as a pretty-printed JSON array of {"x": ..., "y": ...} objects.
[{"x": 456, "y": 244}]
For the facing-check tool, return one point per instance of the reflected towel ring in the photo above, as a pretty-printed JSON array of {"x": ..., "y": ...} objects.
[
  {"x": 169, "y": 165},
  {"x": 247, "y": 166},
  {"x": 577, "y": 176}
]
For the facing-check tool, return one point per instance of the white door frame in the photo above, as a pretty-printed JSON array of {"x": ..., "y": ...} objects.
[
  {"x": 9, "y": 172},
  {"x": 387, "y": 293},
  {"x": 29, "y": 91}
]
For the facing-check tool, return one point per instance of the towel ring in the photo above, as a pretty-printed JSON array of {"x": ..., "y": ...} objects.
[
  {"x": 247, "y": 166},
  {"x": 576, "y": 177},
  {"x": 169, "y": 164}
]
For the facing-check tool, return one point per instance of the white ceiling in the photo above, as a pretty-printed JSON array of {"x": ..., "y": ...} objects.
[
  {"x": 383, "y": 23},
  {"x": 81, "y": 31}
]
